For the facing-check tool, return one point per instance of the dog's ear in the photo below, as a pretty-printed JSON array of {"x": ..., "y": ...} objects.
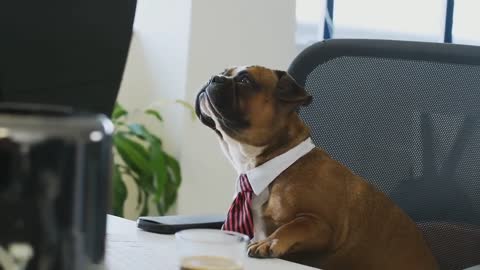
[{"x": 290, "y": 92}]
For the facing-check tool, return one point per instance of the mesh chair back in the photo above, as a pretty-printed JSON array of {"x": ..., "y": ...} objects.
[{"x": 406, "y": 117}]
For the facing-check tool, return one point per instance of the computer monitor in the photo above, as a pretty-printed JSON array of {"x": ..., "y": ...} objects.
[
  {"x": 72, "y": 54},
  {"x": 69, "y": 53}
]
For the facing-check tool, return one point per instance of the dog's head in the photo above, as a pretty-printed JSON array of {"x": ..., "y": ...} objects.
[{"x": 250, "y": 104}]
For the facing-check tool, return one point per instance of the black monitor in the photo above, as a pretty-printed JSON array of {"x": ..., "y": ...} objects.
[
  {"x": 72, "y": 54},
  {"x": 69, "y": 53}
]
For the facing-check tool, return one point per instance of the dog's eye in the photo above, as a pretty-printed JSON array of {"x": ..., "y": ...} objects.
[{"x": 245, "y": 79}]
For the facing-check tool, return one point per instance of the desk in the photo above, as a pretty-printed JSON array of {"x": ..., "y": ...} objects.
[{"x": 129, "y": 248}]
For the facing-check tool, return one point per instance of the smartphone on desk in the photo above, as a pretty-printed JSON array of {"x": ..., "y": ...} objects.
[{"x": 173, "y": 224}]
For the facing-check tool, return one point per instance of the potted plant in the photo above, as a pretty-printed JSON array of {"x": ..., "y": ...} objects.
[{"x": 139, "y": 156}]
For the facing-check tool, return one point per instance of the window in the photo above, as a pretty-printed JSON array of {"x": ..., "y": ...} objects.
[
  {"x": 310, "y": 15},
  {"x": 405, "y": 20},
  {"x": 379, "y": 19},
  {"x": 466, "y": 22}
]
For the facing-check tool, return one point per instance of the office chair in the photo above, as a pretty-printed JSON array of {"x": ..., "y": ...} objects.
[{"x": 406, "y": 117}]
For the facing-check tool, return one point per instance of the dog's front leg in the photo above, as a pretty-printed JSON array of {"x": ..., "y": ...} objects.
[{"x": 304, "y": 233}]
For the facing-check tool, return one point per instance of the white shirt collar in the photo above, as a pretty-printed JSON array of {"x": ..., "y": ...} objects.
[{"x": 260, "y": 177}]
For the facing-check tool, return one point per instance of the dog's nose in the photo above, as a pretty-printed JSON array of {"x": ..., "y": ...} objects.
[{"x": 219, "y": 79}]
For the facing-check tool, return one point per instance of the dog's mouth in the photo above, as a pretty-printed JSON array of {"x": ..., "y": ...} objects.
[
  {"x": 227, "y": 118},
  {"x": 203, "y": 113}
]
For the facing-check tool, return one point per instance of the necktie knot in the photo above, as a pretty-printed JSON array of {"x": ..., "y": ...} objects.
[
  {"x": 245, "y": 184},
  {"x": 239, "y": 218}
]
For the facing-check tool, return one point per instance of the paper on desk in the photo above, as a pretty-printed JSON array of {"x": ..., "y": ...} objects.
[
  {"x": 156, "y": 252},
  {"x": 127, "y": 253}
]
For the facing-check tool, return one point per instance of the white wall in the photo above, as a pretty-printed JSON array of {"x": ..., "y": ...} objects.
[
  {"x": 177, "y": 46},
  {"x": 226, "y": 33}
]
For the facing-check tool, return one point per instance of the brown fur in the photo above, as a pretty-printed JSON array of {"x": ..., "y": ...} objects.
[
  {"x": 318, "y": 205},
  {"x": 319, "y": 213}
]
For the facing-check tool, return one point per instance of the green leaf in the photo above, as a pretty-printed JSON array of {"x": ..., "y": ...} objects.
[
  {"x": 141, "y": 132},
  {"x": 119, "y": 192},
  {"x": 187, "y": 106},
  {"x": 125, "y": 170},
  {"x": 132, "y": 153},
  {"x": 139, "y": 197},
  {"x": 174, "y": 167},
  {"x": 154, "y": 138},
  {"x": 138, "y": 130},
  {"x": 170, "y": 194},
  {"x": 161, "y": 208},
  {"x": 155, "y": 114},
  {"x": 145, "y": 205},
  {"x": 139, "y": 190},
  {"x": 146, "y": 182},
  {"x": 159, "y": 168},
  {"x": 174, "y": 181},
  {"x": 118, "y": 111}
]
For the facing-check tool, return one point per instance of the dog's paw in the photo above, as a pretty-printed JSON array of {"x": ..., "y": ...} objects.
[{"x": 268, "y": 248}]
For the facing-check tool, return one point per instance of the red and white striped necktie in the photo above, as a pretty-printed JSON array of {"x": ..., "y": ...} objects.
[{"x": 239, "y": 218}]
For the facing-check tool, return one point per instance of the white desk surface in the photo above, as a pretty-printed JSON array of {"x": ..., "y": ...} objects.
[{"x": 129, "y": 248}]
